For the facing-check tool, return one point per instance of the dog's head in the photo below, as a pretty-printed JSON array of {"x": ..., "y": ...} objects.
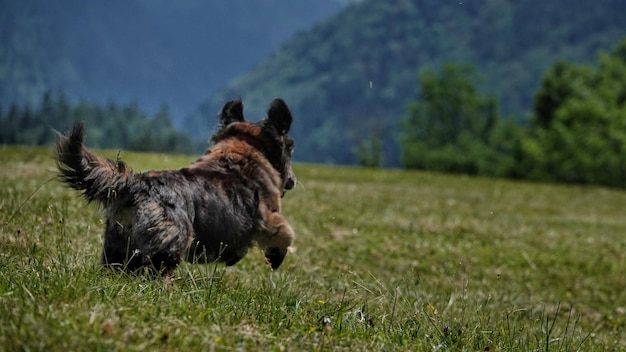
[{"x": 269, "y": 135}]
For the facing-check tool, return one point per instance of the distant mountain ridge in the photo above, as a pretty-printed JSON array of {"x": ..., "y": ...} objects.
[
  {"x": 351, "y": 76},
  {"x": 155, "y": 52}
]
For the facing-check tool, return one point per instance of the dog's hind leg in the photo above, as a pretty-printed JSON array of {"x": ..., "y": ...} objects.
[
  {"x": 120, "y": 251},
  {"x": 163, "y": 234}
]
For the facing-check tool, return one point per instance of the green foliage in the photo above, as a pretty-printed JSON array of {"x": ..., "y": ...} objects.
[
  {"x": 453, "y": 127},
  {"x": 577, "y": 132},
  {"x": 578, "y": 129},
  {"x": 383, "y": 261},
  {"x": 561, "y": 82},
  {"x": 369, "y": 153},
  {"x": 124, "y": 127}
]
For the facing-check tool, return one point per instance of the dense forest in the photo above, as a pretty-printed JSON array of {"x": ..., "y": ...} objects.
[{"x": 350, "y": 78}]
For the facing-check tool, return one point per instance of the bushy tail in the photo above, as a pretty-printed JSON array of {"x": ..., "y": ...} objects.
[{"x": 99, "y": 178}]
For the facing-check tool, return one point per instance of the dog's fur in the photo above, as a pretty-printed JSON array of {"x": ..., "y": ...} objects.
[{"x": 213, "y": 210}]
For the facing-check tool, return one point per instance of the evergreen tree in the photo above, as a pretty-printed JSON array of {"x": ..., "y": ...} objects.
[{"x": 124, "y": 127}]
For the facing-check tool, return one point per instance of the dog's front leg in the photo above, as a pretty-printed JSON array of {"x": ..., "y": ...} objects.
[{"x": 276, "y": 237}]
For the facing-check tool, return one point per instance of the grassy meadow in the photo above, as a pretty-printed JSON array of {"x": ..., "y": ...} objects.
[{"x": 384, "y": 261}]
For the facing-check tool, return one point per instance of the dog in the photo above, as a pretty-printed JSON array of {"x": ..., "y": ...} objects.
[{"x": 215, "y": 209}]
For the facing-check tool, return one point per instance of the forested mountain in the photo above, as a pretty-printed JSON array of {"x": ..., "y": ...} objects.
[
  {"x": 351, "y": 77},
  {"x": 151, "y": 52}
]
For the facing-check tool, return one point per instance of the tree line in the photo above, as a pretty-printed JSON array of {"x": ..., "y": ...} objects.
[
  {"x": 576, "y": 131},
  {"x": 110, "y": 126}
]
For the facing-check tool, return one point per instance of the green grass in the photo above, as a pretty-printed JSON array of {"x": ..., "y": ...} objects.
[{"x": 384, "y": 260}]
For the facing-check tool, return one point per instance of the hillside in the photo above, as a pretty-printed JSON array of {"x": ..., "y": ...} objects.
[
  {"x": 153, "y": 52},
  {"x": 351, "y": 76}
]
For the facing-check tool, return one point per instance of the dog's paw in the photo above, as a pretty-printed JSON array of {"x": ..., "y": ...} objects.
[{"x": 274, "y": 257}]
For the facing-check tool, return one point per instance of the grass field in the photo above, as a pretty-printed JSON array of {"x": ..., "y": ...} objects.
[{"x": 384, "y": 261}]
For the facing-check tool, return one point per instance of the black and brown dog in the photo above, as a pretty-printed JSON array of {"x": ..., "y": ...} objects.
[{"x": 214, "y": 210}]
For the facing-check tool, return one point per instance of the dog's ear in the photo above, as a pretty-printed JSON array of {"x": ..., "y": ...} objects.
[
  {"x": 231, "y": 112},
  {"x": 279, "y": 116}
]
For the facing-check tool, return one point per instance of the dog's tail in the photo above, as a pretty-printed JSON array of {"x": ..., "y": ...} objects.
[{"x": 99, "y": 179}]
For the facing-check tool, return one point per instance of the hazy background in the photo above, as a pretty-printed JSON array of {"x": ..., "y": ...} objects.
[
  {"x": 153, "y": 52},
  {"x": 347, "y": 69}
]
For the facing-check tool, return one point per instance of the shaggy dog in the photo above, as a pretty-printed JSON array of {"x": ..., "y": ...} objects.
[{"x": 214, "y": 210}]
